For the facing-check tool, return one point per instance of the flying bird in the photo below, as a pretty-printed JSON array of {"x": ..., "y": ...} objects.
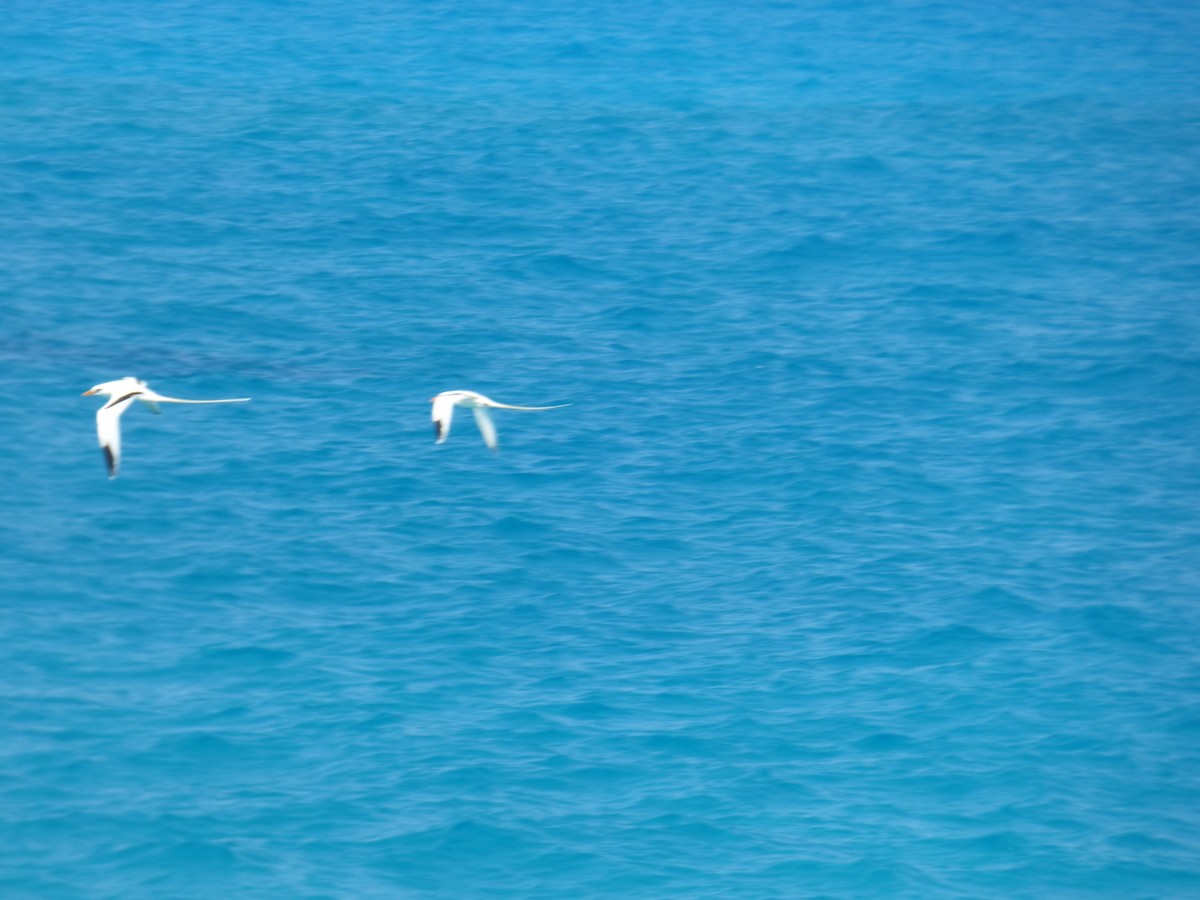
[
  {"x": 123, "y": 393},
  {"x": 443, "y": 413}
]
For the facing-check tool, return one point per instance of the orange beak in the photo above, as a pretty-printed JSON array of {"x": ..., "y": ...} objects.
[{"x": 87, "y": 393}]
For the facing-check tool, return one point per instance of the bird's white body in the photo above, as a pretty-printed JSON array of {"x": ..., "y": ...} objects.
[
  {"x": 122, "y": 393},
  {"x": 443, "y": 413}
]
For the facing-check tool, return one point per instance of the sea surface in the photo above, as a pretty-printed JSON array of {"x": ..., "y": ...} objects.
[{"x": 864, "y": 563}]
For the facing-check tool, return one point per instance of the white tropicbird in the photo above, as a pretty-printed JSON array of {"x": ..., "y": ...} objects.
[
  {"x": 443, "y": 413},
  {"x": 123, "y": 393}
]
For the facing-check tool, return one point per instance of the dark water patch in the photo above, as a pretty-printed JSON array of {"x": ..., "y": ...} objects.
[
  {"x": 884, "y": 742},
  {"x": 249, "y": 659},
  {"x": 952, "y": 643},
  {"x": 1125, "y": 625}
]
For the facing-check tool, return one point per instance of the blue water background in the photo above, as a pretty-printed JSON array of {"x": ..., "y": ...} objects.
[{"x": 864, "y": 563}]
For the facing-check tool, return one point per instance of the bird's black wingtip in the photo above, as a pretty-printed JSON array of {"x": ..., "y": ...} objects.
[{"x": 111, "y": 462}]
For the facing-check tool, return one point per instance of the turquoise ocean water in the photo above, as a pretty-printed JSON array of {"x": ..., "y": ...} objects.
[{"x": 863, "y": 564}]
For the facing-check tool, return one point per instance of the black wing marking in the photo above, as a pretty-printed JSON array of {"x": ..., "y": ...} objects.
[{"x": 112, "y": 403}]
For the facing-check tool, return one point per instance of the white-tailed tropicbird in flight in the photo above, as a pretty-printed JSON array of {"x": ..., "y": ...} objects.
[
  {"x": 443, "y": 413},
  {"x": 123, "y": 393}
]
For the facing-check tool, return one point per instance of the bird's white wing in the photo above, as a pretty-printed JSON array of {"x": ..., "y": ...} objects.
[
  {"x": 443, "y": 414},
  {"x": 108, "y": 430},
  {"x": 486, "y": 428}
]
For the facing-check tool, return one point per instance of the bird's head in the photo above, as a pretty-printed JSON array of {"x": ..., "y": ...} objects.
[{"x": 108, "y": 388}]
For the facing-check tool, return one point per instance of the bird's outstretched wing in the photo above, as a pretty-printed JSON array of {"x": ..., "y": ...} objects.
[
  {"x": 486, "y": 427},
  {"x": 108, "y": 430},
  {"x": 443, "y": 415}
]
